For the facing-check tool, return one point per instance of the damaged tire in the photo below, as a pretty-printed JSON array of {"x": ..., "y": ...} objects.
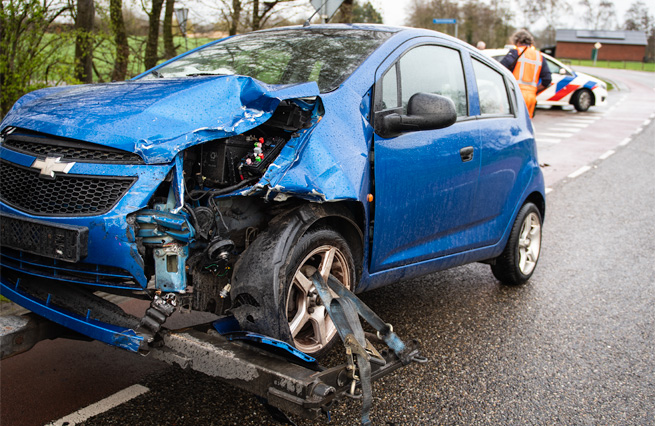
[
  {"x": 519, "y": 259},
  {"x": 310, "y": 327}
]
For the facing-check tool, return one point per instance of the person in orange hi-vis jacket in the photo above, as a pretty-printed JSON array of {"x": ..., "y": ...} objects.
[{"x": 529, "y": 68}]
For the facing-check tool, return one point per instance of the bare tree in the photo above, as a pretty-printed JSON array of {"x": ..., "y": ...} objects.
[
  {"x": 26, "y": 54},
  {"x": 599, "y": 15},
  {"x": 422, "y": 12},
  {"x": 359, "y": 11},
  {"x": 151, "y": 57},
  {"x": 638, "y": 18},
  {"x": 235, "y": 16},
  {"x": 117, "y": 23},
  {"x": 551, "y": 11},
  {"x": 261, "y": 15},
  {"x": 169, "y": 45},
  {"x": 477, "y": 20},
  {"x": 84, "y": 41},
  {"x": 346, "y": 12}
]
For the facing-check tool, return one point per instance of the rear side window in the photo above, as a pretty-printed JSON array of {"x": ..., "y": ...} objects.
[{"x": 491, "y": 90}]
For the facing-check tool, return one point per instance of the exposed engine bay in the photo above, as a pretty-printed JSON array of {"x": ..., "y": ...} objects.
[{"x": 206, "y": 236}]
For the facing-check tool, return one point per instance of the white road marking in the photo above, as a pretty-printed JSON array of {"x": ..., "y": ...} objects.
[
  {"x": 647, "y": 122},
  {"x": 580, "y": 171},
  {"x": 652, "y": 116},
  {"x": 583, "y": 119},
  {"x": 639, "y": 129},
  {"x": 625, "y": 141},
  {"x": 549, "y": 190},
  {"x": 556, "y": 134},
  {"x": 572, "y": 124},
  {"x": 607, "y": 155},
  {"x": 101, "y": 406},
  {"x": 566, "y": 129},
  {"x": 547, "y": 140}
]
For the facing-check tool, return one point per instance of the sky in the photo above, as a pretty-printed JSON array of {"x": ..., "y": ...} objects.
[{"x": 394, "y": 12}]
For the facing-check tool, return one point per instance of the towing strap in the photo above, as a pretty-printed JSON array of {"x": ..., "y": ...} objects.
[{"x": 345, "y": 309}]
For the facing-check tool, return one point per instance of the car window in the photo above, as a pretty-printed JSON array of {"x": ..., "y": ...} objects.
[
  {"x": 553, "y": 67},
  {"x": 491, "y": 89},
  {"x": 327, "y": 57},
  {"x": 390, "y": 97},
  {"x": 433, "y": 69}
]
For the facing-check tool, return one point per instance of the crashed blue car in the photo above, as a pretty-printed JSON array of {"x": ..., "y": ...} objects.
[{"x": 224, "y": 179}]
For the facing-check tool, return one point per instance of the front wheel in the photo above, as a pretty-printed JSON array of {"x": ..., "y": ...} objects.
[
  {"x": 519, "y": 259},
  {"x": 582, "y": 100},
  {"x": 325, "y": 251}
]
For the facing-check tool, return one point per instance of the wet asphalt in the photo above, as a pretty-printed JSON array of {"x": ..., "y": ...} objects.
[{"x": 575, "y": 346}]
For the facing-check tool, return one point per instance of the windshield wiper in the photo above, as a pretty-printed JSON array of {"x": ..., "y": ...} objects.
[
  {"x": 157, "y": 74},
  {"x": 197, "y": 74}
]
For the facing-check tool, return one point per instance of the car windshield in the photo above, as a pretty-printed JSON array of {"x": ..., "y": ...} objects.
[{"x": 327, "y": 57}]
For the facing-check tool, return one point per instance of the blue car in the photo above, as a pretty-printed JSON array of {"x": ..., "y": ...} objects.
[{"x": 223, "y": 179}]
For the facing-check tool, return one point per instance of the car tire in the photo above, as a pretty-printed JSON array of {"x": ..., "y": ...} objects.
[
  {"x": 582, "y": 100},
  {"x": 519, "y": 259},
  {"x": 310, "y": 327}
]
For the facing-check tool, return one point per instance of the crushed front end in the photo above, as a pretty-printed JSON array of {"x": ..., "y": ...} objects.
[
  {"x": 164, "y": 221},
  {"x": 79, "y": 217}
]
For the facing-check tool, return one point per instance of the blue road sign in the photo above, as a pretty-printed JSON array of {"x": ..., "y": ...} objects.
[{"x": 444, "y": 21}]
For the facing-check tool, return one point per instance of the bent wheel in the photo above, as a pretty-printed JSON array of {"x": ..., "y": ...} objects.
[
  {"x": 325, "y": 251},
  {"x": 519, "y": 259}
]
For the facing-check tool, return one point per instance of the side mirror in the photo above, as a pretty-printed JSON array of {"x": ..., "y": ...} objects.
[{"x": 425, "y": 111}]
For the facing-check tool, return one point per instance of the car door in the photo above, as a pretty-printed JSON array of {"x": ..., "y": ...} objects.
[
  {"x": 425, "y": 181},
  {"x": 504, "y": 152},
  {"x": 559, "y": 88}
]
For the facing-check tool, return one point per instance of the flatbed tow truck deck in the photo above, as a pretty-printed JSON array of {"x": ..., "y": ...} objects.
[{"x": 272, "y": 370}]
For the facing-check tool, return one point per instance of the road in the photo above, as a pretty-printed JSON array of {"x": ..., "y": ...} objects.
[{"x": 574, "y": 346}]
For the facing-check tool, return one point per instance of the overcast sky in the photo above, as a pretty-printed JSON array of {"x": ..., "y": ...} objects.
[{"x": 394, "y": 12}]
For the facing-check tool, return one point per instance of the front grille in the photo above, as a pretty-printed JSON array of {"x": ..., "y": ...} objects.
[
  {"x": 40, "y": 145},
  {"x": 53, "y": 240},
  {"x": 66, "y": 195},
  {"x": 80, "y": 273}
]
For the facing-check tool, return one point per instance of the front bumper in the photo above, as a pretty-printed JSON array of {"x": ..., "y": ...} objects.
[
  {"x": 112, "y": 258},
  {"x": 88, "y": 325}
]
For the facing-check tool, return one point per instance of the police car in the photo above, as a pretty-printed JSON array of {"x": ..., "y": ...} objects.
[{"x": 568, "y": 87}]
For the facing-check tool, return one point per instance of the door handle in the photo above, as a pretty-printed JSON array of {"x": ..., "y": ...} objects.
[{"x": 466, "y": 154}]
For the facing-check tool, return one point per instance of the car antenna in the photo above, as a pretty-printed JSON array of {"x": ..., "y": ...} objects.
[{"x": 306, "y": 24}]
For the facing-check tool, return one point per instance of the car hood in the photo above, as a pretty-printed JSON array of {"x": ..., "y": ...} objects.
[
  {"x": 578, "y": 74},
  {"x": 154, "y": 118}
]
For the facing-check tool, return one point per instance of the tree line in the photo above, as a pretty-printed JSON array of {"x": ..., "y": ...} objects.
[
  {"x": 490, "y": 21},
  {"x": 53, "y": 42}
]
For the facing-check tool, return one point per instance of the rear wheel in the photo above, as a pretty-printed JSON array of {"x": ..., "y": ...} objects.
[
  {"x": 325, "y": 251},
  {"x": 582, "y": 100},
  {"x": 519, "y": 259}
]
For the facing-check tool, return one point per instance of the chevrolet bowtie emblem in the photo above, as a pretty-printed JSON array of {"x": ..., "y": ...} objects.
[{"x": 51, "y": 165}]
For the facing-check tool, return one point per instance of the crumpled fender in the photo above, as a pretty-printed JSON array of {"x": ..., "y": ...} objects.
[
  {"x": 154, "y": 118},
  {"x": 328, "y": 161},
  {"x": 271, "y": 249}
]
